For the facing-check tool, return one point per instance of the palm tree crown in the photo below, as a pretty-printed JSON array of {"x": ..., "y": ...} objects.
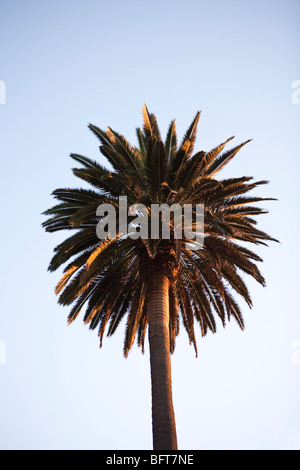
[{"x": 110, "y": 278}]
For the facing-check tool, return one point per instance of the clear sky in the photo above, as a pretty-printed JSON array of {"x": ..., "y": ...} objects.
[{"x": 67, "y": 63}]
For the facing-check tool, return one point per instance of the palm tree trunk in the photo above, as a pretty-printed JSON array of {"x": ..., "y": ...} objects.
[{"x": 163, "y": 417}]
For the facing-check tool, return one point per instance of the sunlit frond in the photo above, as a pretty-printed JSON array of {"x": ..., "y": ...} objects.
[{"x": 109, "y": 279}]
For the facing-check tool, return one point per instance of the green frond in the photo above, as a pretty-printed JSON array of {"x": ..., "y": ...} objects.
[
  {"x": 212, "y": 155},
  {"x": 82, "y": 241},
  {"x": 142, "y": 142},
  {"x": 155, "y": 168},
  {"x": 133, "y": 318},
  {"x": 76, "y": 309},
  {"x": 191, "y": 170},
  {"x": 223, "y": 159},
  {"x": 191, "y": 133},
  {"x": 65, "y": 279},
  {"x": 148, "y": 131},
  {"x": 237, "y": 283},
  {"x": 130, "y": 155},
  {"x": 171, "y": 142},
  {"x": 234, "y": 310},
  {"x": 115, "y": 159},
  {"x": 102, "y": 135},
  {"x": 230, "y": 252},
  {"x": 86, "y": 162},
  {"x": 74, "y": 289},
  {"x": 240, "y": 201},
  {"x": 187, "y": 313},
  {"x": 154, "y": 126},
  {"x": 76, "y": 196},
  {"x": 178, "y": 161}
]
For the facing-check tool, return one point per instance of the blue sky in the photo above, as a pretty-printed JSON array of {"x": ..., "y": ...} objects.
[{"x": 66, "y": 64}]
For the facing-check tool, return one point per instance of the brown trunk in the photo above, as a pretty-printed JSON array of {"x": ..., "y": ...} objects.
[{"x": 163, "y": 418}]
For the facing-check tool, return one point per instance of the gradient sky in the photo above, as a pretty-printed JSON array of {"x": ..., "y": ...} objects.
[{"x": 67, "y": 63}]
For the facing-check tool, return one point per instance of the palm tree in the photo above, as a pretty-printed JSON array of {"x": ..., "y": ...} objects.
[{"x": 157, "y": 283}]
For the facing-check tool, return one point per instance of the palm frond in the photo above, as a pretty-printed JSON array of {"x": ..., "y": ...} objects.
[{"x": 109, "y": 278}]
